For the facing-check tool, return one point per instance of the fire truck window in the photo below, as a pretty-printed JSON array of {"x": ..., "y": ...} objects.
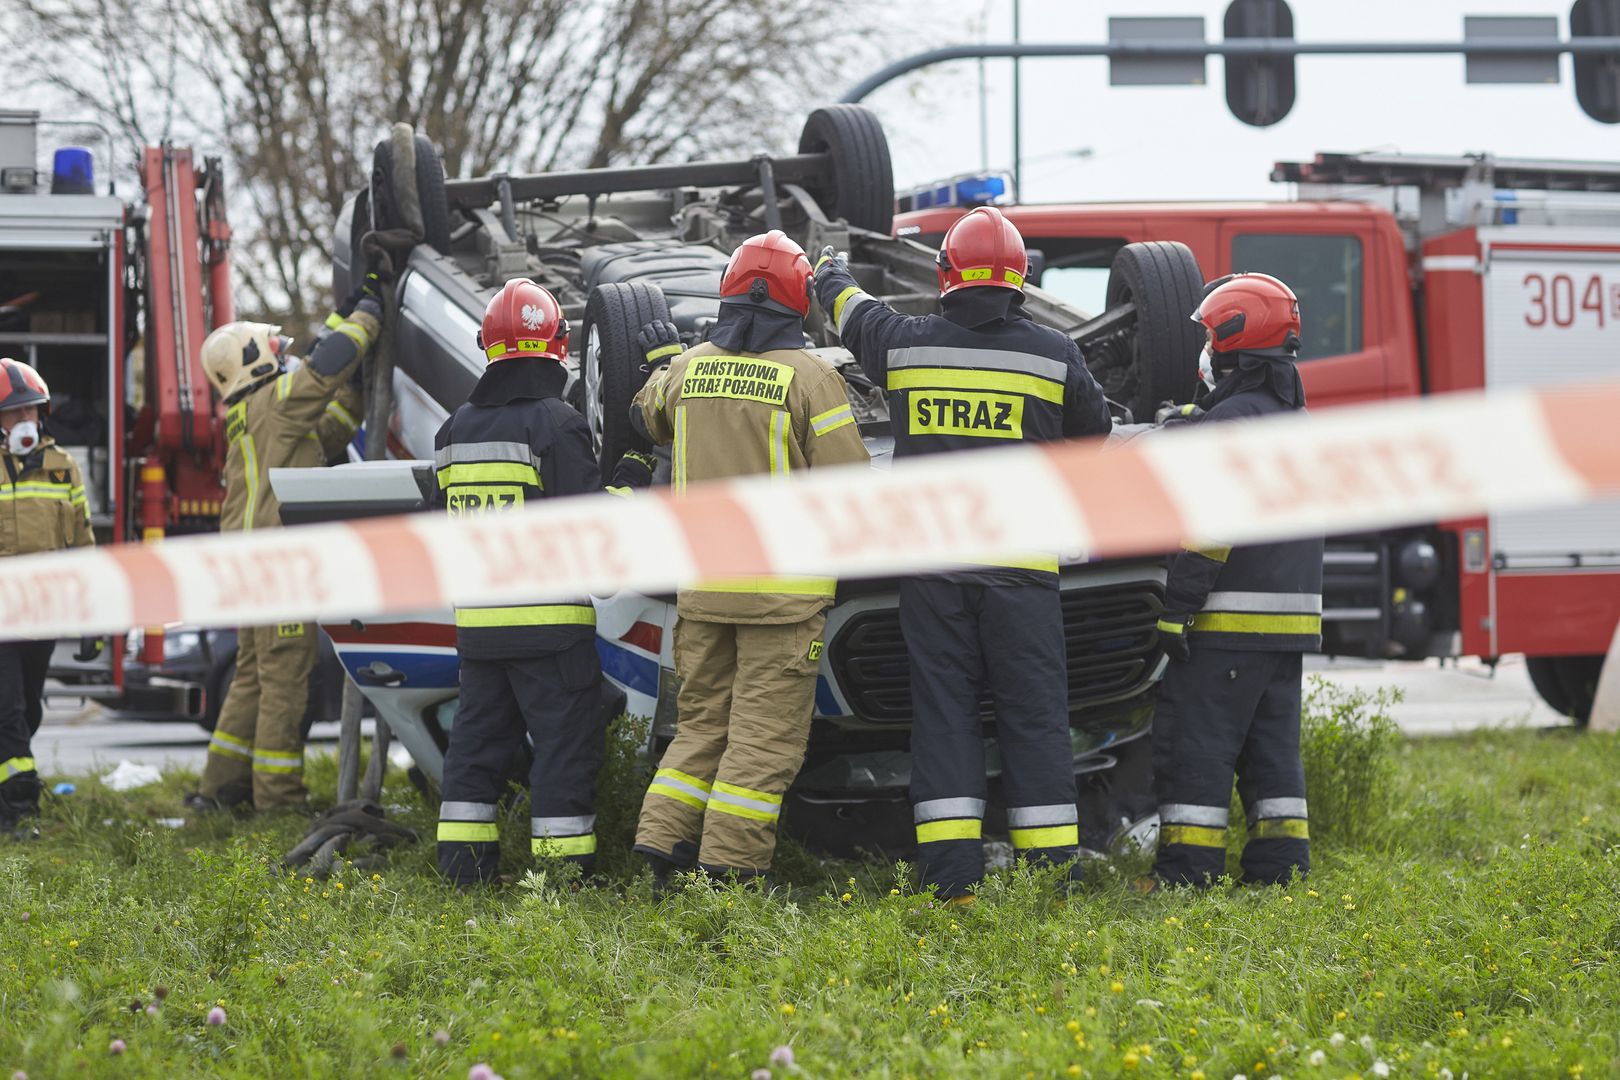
[{"x": 1324, "y": 272}]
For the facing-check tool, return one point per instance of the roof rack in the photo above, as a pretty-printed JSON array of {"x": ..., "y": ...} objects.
[{"x": 1438, "y": 172}]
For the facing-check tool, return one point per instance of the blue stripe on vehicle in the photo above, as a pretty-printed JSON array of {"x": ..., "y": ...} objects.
[
  {"x": 630, "y": 670},
  {"x": 423, "y": 671},
  {"x": 826, "y": 701}
]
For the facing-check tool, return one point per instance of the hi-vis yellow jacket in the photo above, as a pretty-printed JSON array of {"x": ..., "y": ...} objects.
[{"x": 42, "y": 502}]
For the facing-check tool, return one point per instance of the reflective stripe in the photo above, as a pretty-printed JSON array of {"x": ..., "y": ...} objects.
[
  {"x": 522, "y": 453},
  {"x": 1054, "y": 836},
  {"x": 535, "y": 615},
  {"x": 469, "y": 832},
  {"x": 780, "y": 425},
  {"x": 935, "y": 809},
  {"x": 1191, "y": 814},
  {"x": 355, "y": 333},
  {"x": 846, "y": 304},
  {"x": 682, "y": 787},
  {"x": 230, "y": 746},
  {"x": 1281, "y": 829},
  {"x": 965, "y": 379},
  {"x": 664, "y": 350},
  {"x": 344, "y": 416},
  {"x": 1212, "y": 552},
  {"x": 1223, "y": 622},
  {"x": 467, "y": 811},
  {"x": 719, "y": 804},
  {"x": 785, "y": 586},
  {"x": 945, "y": 356},
  {"x": 744, "y": 802},
  {"x": 561, "y": 847},
  {"x": 562, "y": 826},
  {"x": 16, "y": 766},
  {"x": 763, "y": 797},
  {"x": 678, "y": 457},
  {"x": 930, "y": 832},
  {"x": 832, "y": 419},
  {"x": 1028, "y": 817},
  {"x": 276, "y": 761},
  {"x": 1278, "y": 808},
  {"x": 1192, "y": 836},
  {"x": 250, "y": 471},
  {"x": 661, "y": 378},
  {"x": 700, "y": 786},
  {"x": 283, "y": 386},
  {"x": 988, "y": 273},
  {"x": 1172, "y": 627},
  {"x": 1301, "y": 603},
  {"x": 333, "y": 321},
  {"x": 489, "y": 472},
  {"x": 1046, "y": 564},
  {"x": 46, "y": 493}
]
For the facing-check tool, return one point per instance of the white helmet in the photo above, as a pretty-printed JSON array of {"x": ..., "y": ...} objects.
[{"x": 240, "y": 355}]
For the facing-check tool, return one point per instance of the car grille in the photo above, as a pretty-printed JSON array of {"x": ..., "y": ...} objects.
[{"x": 1110, "y": 633}]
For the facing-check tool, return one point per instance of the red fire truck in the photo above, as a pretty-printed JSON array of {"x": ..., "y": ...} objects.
[
  {"x": 110, "y": 299},
  {"x": 1416, "y": 275}
]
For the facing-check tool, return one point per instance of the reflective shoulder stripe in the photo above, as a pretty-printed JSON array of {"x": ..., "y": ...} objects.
[
  {"x": 344, "y": 416},
  {"x": 1004, "y": 360},
  {"x": 937, "y": 378},
  {"x": 936, "y": 809},
  {"x": 832, "y": 419},
  {"x": 1213, "y": 552},
  {"x": 1278, "y": 808},
  {"x": 1225, "y": 622},
  {"x": 526, "y": 615},
  {"x": 949, "y": 829},
  {"x": 1277, "y": 602},
  {"x": 1214, "y": 817}
]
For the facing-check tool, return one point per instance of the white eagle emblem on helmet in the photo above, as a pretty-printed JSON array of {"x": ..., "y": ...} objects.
[{"x": 531, "y": 316}]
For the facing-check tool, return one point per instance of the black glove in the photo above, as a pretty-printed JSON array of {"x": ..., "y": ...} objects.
[
  {"x": 89, "y": 649},
  {"x": 1171, "y": 414},
  {"x": 660, "y": 343},
  {"x": 830, "y": 254},
  {"x": 367, "y": 288},
  {"x": 634, "y": 470},
  {"x": 1173, "y": 636}
]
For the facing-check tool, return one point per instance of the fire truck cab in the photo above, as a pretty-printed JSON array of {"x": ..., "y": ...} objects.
[{"x": 1416, "y": 275}]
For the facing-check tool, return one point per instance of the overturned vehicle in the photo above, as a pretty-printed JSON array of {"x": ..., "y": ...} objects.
[{"x": 622, "y": 246}]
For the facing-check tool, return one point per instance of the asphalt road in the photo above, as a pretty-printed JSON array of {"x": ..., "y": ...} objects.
[{"x": 1438, "y": 701}]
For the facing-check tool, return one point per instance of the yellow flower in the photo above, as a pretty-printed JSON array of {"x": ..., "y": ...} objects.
[
  {"x": 1188, "y": 1061},
  {"x": 1117, "y": 987},
  {"x": 788, "y": 1009},
  {"x": 1312, "y": 893},
  {"x": 338, "y": 886},
  {"x": 1073, "y": 1025},
  {"x": 1340, "y": 1015},
  {"x": 1507, "y": 1042},
  {"x": 1132, "y": 1060},
  {"x": 1196, "y": 1074},
  {"x": 1379, "y": 994},
  {"x": 846, "y": 898},
  {"x": 1102, "y": 969},
  {"x": 495, "y": 1036},
  {"x": 894, "y": 892},
  {"x": 74, "y": 943},
  {"x": 1040, "y": 1010},
  {"x": 1073, "y": 1070}
]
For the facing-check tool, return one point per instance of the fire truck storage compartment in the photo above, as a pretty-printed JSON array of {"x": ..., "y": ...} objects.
[{"x": 54, "y": 316}]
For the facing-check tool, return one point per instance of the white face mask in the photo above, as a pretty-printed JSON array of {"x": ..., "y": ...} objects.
[
  {"x": 1206, "y": 368},
  {"x": 23, "y": 438}
]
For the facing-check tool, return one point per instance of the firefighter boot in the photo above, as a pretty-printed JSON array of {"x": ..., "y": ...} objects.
[
  {"x": 488, "y": 730},
  {"x": 19, "y": 806},
  {"x": 286, "y": 662}
]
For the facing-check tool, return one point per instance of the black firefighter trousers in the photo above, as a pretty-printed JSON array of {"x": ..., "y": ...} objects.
[
  {"x": 555, "y": 698},
  {"x": 962, "y": 638},
  {"x": 1227, "y": 711},
  {"x": 23, "y": 666}
]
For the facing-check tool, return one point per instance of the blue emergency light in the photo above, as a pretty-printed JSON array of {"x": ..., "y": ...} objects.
[
  {"x": 73, "y": 172},
  {"x": 979, "y": 189}
]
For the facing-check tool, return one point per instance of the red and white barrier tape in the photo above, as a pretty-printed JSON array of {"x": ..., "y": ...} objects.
[{"x": 1332, "y": 472}]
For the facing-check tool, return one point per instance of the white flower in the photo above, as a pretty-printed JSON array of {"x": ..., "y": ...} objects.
[
  {"x": 1336, "y": 1040},
  {"x": 1445, "y": 1074},
  {"x": 472, "y": 922},
  {"x": 1367, "y": 1043},
  {"x": 1239, "y": 1076},
  {"x": 1318, "y": 1059},
  {"x": 1379, "y": 1069}
]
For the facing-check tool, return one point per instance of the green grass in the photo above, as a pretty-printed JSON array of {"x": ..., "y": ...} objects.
[{"x": 1466, "y": 921}]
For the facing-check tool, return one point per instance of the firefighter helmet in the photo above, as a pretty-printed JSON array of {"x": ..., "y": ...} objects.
[
  {"x": 240, "y": 355},
  {"x": 769, "y": 270},
  {"x": 1247, "y": 312},
  {"x": 22, "y": 386},
  {"x": 982, "y": 248},
  {"x": 523, "y": 319}
]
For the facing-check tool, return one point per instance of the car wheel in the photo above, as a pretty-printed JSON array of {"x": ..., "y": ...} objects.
[
  {"x": 1161, "y": 278},
  {"x": 386, "y": 212},
  {"x": 1567, "y": 683},
  {"x": 861, "y": 187},
  {"x": 611, "y": 365}
]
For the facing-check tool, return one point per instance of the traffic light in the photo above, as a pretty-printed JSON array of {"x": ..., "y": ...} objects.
[
  {"x": 1597, "y": 78},
  {"x": 1259, "y": 90}
]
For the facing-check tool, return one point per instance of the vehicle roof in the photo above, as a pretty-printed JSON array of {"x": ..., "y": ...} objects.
[{"x": 1033, "y": 217}]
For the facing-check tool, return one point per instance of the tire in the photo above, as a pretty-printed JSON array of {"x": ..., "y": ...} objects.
[
  {"x": 385, "y": 209},
  {"x": 861, "y": 187},
  {"x": 610, "y": 363},
  {"x": 1161, "y": 277},
  {"x": 1568, "y": 684}
]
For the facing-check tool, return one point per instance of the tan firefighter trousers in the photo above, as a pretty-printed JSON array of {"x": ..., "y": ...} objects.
[
  {"x": 747, "y": 691},
  {"x": 258, "y": 744}
]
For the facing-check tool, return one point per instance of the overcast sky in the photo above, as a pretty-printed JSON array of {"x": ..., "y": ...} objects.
[{"x": 1180, "y": 142}]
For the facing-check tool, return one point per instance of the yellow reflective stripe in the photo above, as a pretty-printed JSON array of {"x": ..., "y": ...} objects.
[
  {"x": 250, "y": 472},
  {"x": 749, "y": 812},
  {"x": 489, "y": 472},
  {"x": 787, "y": 586},
  {"x": 1172, "y": 627},
  {"x": 661, "y": 378},
  {"x": 16, "y": 765},
  {"x": 1049, "y": 836},
  {"x": 843, "y": 298},
  {"x": 333, "y": 321},
  {"x": 345, "y": 417},
  {"x": 259, "y": 766},
  {"x": 1045, "y": 563},
  {"x": 687, "y": 778},
  {"x": 664, "y": 350},
  {"x": 678, "y": 470},
  {"x": 723, "y": 788},
  {"x": 949, "y": 829},
  {"x": 1229, "y": 622},
  {"x": 469, "y": 832},
  {"x": 988, "y": 273},
  {"x": 556, "y": 847},
  {"x": 497, "y": 349},
  {"x": 927, "y": 378},
  {"x": 46, "y": 492},
  {"x": 832, "y": 419},
  {"x": 1281, "y": 828},
  {"x": 231, "y": 740},
  {"x": 1193, "y": 836},
  {"x": 534, "y": 615},
  {"x": 779, "y": 449},
  {"x": 284, "y": 386},
  {"x": 1212, "y": 552},
  {"x": 355, "y": 333},
  {"x": 677, "y": 794}
]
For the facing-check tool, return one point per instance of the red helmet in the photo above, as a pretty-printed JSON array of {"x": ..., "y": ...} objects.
[
  {"x": 982, "y": 248},
  {"x": 769, "y": 270},
  {"x": 21, "y": 386},
  {"x": 523, "y": 320},
  {"x": 1245, "y": 312}
]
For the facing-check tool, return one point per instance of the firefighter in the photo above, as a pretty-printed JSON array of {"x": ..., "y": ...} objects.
[
  {"x": 279, "y": 414},
  {"x": 1236, "y": 623},
  {"x": 983, "y": 374},
  {"x": 43, "y": 507},
  {"x": 749, "y": 401},
  {"x": 524, "y": 667}
]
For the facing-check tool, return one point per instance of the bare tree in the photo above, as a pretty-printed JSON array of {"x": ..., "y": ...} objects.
[{"x": 295, "y": 92}]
